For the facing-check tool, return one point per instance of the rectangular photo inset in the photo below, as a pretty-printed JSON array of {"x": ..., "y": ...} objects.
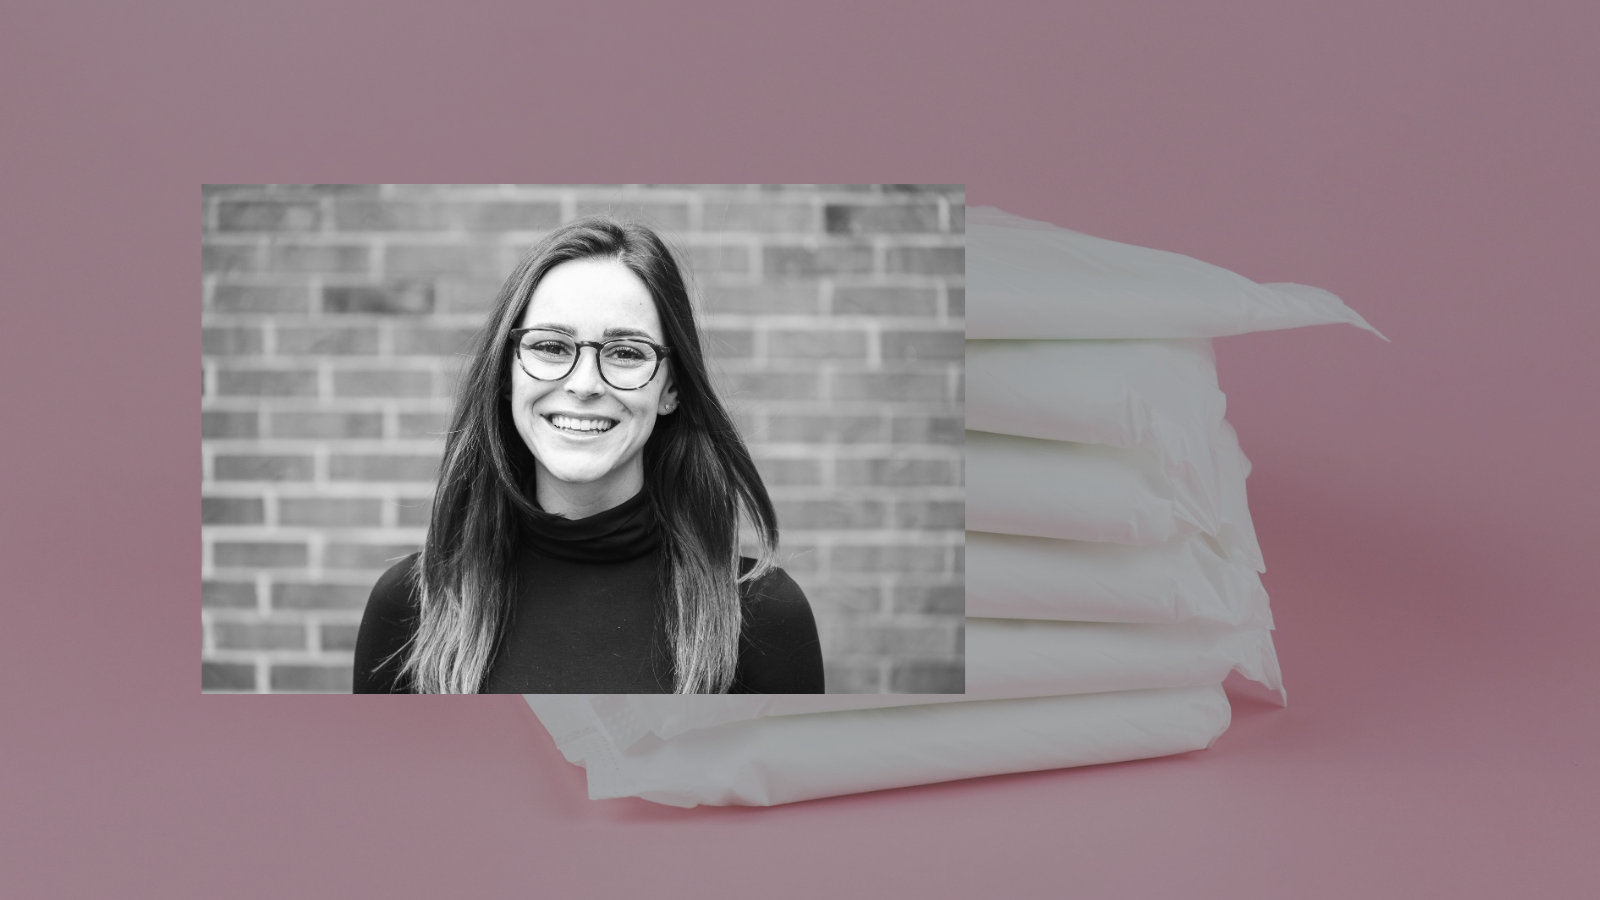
[{"x": 583, "y": 439}]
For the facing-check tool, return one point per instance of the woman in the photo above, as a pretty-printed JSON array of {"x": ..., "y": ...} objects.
[{"x": 585, "y": 531}]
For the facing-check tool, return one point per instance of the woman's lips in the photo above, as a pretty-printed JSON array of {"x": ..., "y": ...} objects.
[{"x": 570, "y": 424}]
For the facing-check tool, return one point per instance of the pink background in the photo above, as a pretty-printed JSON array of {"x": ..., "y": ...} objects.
[{"x": 1426, "y": 506}]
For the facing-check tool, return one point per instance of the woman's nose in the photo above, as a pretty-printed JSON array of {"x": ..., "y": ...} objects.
[{"x": 585, "y": 380}]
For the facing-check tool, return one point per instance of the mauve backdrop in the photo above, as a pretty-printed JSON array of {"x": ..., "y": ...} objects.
[{"x": 1425, "y": 506}]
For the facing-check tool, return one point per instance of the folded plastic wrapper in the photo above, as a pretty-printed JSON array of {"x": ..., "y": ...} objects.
[
  {"x": 1030, "y": 280},
  {"x": 1159, "y": 396},
  {"x": 1093, "y": 492},
  {"x": 784, "y": 759},
  {"x": 1016, "y": 577}
]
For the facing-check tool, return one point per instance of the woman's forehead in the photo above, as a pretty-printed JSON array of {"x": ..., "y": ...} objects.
[{"x": 590, "y": 297}]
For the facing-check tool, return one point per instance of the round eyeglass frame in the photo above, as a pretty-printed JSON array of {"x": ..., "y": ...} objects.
[{"x": 515, "y": 339}]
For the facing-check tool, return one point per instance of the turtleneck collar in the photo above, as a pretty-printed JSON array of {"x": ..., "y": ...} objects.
[{"x": 620, "y": 533}]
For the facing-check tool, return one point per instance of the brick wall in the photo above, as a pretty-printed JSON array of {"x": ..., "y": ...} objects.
[{"x": 331, "y": 322}]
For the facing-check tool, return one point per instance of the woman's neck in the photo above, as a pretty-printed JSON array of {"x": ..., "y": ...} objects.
[{"x": 580, "y": 501}]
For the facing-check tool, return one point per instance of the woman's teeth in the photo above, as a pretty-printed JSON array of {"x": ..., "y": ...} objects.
[{"x": 568, "y": 423}]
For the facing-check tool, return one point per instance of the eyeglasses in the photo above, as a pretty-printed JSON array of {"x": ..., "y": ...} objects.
[{"x": 626, "y": 364}]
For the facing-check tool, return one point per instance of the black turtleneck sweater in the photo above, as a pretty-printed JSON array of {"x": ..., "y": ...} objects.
[{"x": 588, "y": 618}]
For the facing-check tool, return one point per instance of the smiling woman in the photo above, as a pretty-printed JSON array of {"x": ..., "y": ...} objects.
[{"x": 585, "y": 534}]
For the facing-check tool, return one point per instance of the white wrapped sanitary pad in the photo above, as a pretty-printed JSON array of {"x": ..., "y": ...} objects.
[
  {"x": 1093, "y": 492},
  {"x": 1016, "y": 577},
  {"x": 1029, "y": 280},
  {"x": 783, "y": 759},
  {"x": 1160, "y": 396},
  {"x": 1006, "y": 659}
]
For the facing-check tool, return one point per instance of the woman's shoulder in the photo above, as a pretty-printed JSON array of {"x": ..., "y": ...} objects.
[
  {"x": 387, "y": 625},
  {"x": 395, "y": 592},
  {"x": 773, "y": 592},
  {"x": 781, "y": 652}
]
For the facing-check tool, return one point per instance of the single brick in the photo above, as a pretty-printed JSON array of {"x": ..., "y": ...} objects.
[
  {"x": 215, "y": 424},
  {"x": 383, "y": 467},
  {"x": 744, "y": 215},
  {"x": 329, "y": 511},
  {"x": 424, "y": 425},
  {"x": 383, "y": 383},
  {"x": 668, "y": 216},
  {"x": 927, "y": 260},
  {"x": 895, "y": 639},
  {"x": 718, "y": 260},
  {"x": 268, "y": 215},
  {"x": 927, "y": 430},
  {"x": 789, "y": 471},
  {"x": 267, "y": 382},
  {"x": 887, "y": 558},
  {"x": 398, "y": 297},
  {"x": 342, "y": 555},
  {"x": 232, "y": 511},
  {"x": 263, "y": 467},
  {"x": 729, "y": 343},
  {"x": 260, "y": 554},
  {"x": 414, "y": 513},
  {"x": 824, "y": 429},
  {"x": 885, "y": 301},
  {"x": 906, "y": 387},
  {"x": 957, "y": 302},
  {"x": 941, "y": 346},
  {"x": 814, "y": 262},
  {"x": 924, "y": 188},
  {"x": 339, "y": 636},
  {"x": 881, "y": 219},
  {"x": 325, "y": 424},
  {"x": 765, "y": 299},
  {"x": 219, "y": 258},
  {"x": 928, "y": 678},
  {"x": 442, "y": 259},
  {"x": 816, "y": 344},
  {"x": 388, "y": 215},
  {"x": 319, "y": 258},
  {"x": 836, "y": 598},
  {"x": 334, "y": 341},
  {"x": 769, "y": 385},
  {"x": 230, "y": 341},
  {"x": 261, "y": 298},
  {"x": 319, "y": 596},
  {"x": 310, "y": 679},
  {"x": 425, "y": 340},
  {"x": 215, "y": 676},
  {"x": 828, "y": 514},
  {"x": 931, "y": 514},
  {"x": 259, "y": 635},
  {"x": 898, "y": 472},
  {"x": 228, "y": 594},
  {"x": 505, "y": 215},
  {"x": 848, "y": 679},
  {"x": 468, "y": 295},
  {"x": 944, "y": 598},
  {"x": 958, "y": 218}
]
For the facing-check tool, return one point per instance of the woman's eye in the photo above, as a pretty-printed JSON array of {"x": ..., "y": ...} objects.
[
  {"x": 626, "y": 354},
  {"x": 550, "y": 348}
]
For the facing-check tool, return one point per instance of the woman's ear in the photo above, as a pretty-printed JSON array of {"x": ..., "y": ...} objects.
[{"x": 669, "y": 395}]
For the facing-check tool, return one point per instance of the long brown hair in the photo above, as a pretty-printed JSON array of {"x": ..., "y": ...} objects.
[{"x": 698, "y": 473}]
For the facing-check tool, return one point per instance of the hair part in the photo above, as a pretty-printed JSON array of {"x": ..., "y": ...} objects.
[{"x": 698, "y": 472}]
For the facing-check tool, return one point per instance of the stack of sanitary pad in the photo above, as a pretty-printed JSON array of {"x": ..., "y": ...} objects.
[{"x": 1111, "y": 562}]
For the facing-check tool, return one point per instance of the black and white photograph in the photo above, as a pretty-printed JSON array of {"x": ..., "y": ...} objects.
[{"x": 605, "y": 439}]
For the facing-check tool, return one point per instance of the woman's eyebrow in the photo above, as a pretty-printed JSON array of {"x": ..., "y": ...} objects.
[
  {"x": 628, "y": 333},
  {"x": 609, "y": 333}
]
